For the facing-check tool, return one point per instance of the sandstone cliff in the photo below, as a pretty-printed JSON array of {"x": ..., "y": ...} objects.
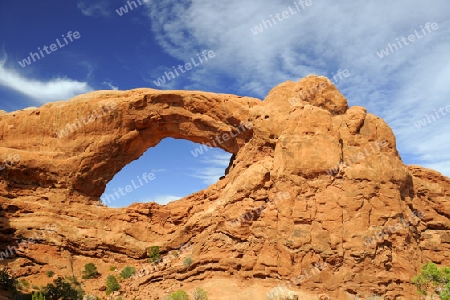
[{"x": 316, "y": 197}]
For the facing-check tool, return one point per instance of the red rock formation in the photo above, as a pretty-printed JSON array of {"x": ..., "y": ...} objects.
[{"x": 313, "y": 183}]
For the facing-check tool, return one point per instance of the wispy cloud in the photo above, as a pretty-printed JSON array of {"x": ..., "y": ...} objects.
[
  {"x": 217, "y": 163},
  {"x": 113, "y": 87},
  {"x": 41, "y": 91},
  {"x": 398, "y": 88},
  {"x": 160, "y": 199},
  {"x": 158, "y": 170},
  {"x": 94, "y": 9}
]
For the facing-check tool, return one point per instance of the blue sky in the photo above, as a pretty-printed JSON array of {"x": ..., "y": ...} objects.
[{"x": 321, "y": 37}]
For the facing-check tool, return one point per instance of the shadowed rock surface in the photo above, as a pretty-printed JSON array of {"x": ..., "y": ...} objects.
[{"x": 313, "y": 182}]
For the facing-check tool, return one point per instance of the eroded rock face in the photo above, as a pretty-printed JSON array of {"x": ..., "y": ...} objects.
[{"x": 317, "y": 193}]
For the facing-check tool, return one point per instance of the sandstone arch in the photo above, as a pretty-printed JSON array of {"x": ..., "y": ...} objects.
[
  {"x": 320, "y": 218},
  {"x": 106, "y": 130}
]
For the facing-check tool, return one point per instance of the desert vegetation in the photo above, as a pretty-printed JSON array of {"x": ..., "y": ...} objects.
[
  {"x": 112, "y": 284},
  {"x": 433, "y": 280},
  {"x": 61, "y": 288},
  {"x": 38, "y": 296},
  {"x": 153, "y": 254},
  {"x": 90, "y": 271},
  {"x": 127, "y": 272},
  {"x": 187, "y": 262},
  {"x": 7, "y": 281},
  {"x": 178, "y": 295},
  {"x": 200, "y": 294}
]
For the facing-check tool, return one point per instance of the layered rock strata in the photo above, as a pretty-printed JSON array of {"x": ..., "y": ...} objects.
[{"x": 312, "y": 182}]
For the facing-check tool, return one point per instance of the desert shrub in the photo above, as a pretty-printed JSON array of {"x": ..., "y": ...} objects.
[
  {"x": 50, "y": 273},
  {"x": 62, "y": 289},
  {"x": 127, "y": 272},
  {"x": 433, "y": 279},
  {"x": 20, "y": 296},
  {"x": 23, "y": 285},
  {"x": 200, "y": 294},
  {"x": 178, "y": 295},
  {"x": 90, "y": 271},
  {"x": 71, "y": 279},
  {"x": 112, "y": 268},
  {"x": 153, "y": 254},
  {"x": 111, "y": 284},
  {"x": 187, "y": 262},
  {"x": 38, "y": 296},
  {"x": 7, "y": 281}
]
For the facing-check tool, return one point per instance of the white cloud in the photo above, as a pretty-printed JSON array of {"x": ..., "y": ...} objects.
[
  {"x": 160, "y": 199},
  {"x": 209, "y": 175},
  {"x": 113, "y": 87},
  {"x": 443, "y": 167},
  {"x": 93, "y": 10},
  {"x": 42, "y": 91},
  {"x": 217, "y": 163},
  {"x": 158, "y": 170},
  {"x": 325, "y": 37}
]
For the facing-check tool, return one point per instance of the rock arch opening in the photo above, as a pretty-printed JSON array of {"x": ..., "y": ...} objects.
[{"x": 169, "y": 171}]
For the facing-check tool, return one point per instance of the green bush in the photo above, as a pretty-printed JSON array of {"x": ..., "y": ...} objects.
[
  {"x": 112, "y": 268},
  {"x": 153, "y": 254},
  {"x": 127, "y": 272},
  {"x": 23, "y": 285},
  {"x": 38, "y": 296},
  {"x": 90, "y": 271},
  {"x": 178, "y": 295},
  {"x": 433, "y": 279},
  {"x": 187, "y": 262},
  {"x": 50, "y": 273},
  {"x": 200, "y": 294},
  {"x": 7, "y": 281},
  {"x": 111, "y": 284},
  {"x": 73, "y": 281},
  {"x": 62, "y": 289}
]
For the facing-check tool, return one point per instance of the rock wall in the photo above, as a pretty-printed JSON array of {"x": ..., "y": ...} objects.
[{"x": 313, "y": 183}]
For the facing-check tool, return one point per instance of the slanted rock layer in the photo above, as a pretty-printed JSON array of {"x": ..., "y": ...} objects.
[{"x": 312, "y": 182}]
